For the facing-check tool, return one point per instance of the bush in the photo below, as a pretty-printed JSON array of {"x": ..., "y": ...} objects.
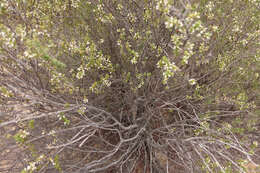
[{"x": 131, "y": 86}]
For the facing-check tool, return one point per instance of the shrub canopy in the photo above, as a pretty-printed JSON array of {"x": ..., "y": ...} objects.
[{"x": 128, "y": 86}]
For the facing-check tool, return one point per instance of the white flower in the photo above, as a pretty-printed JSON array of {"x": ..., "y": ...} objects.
[
  {"x": 192, "y": 81},
  {"x": 41, "y": 157},
  {"x": 53, "y": 163},
  {"x": 24, "y": 134},
  {"x": 31, "y": 167},
  {"x": 215, "y": 28},
  {"x": 52, "y": 132},
  {"x": 101, "y": 40},
  {"x": 85, "y": 100}
]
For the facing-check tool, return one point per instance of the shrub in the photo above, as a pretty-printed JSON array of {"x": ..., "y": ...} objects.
[{"x": 128, "y": 86}]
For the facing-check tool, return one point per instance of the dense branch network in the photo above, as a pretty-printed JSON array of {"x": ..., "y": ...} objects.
[{"x": 129, "y": 86}]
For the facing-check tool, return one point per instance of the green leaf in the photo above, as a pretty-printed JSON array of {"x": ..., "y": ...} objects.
[
  {"x": 57, "y": 163},
  {"x": 31, "y": 124}
]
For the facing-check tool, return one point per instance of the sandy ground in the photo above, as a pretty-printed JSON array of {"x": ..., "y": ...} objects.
[{"x": 11, "y": 156}]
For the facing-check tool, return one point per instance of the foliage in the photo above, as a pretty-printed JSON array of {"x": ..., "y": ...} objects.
[{"x": 128, "y": 86}]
